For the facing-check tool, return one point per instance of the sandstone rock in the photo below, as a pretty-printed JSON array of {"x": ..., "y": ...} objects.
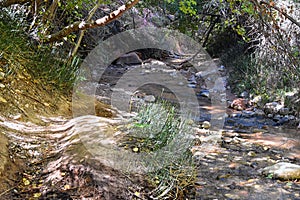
[
  {"x": 283, "y": 171},
  {"x": 239, "y": 104}
]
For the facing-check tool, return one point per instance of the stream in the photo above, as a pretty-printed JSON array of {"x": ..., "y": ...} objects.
[{"x": 79, "y": 158}]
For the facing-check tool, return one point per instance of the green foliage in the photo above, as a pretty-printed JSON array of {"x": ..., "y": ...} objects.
[
  {"x": 40, "y": 61},
  {"x": 185, "y": 6},
  {"x": 154, "y": 128},
  {"x": 156, "y": 125}
]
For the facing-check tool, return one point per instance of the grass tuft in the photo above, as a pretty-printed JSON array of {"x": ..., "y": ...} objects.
[{"x": 159, "y": 130}]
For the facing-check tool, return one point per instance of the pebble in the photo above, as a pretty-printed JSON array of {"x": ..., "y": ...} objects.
[
  {"x": 2, "y": 76},
  {"x": 206, "y": 125},
  {"x": 149, "y": 98},
  {"x": 2, "y": 100},
  {"x": 190, "y": 85},
  {"x": 251, "y": 153},
  {"x": 222, "y": 68},
  {"x": 232, "y": 196}
]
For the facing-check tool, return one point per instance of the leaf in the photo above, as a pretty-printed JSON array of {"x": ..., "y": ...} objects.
[
  {"x": 37, "y": 195},
  {"x": 135, "y": 149},
  {"x": 67, "y": 187},
  {"x": 26, "y": 181}
]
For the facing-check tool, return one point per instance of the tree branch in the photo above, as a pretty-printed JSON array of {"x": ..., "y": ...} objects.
[
  {"x": 282, "y": 12},
  {"x": 83, "y": 25}
]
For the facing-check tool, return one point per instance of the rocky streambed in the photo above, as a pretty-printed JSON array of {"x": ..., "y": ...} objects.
[{"x": 251, "y": 157}]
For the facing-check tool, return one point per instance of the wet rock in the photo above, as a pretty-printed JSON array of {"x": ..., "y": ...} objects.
[
  {"x": 282, "y": 120},
  {"x": 284, "y": 111},
  {"x": 129, "y": 59},
  {"x": 272, "y": 108},
  {"x": 244, "y": 95},
  {"x": 237, "y": 115},
  {"x": 204, "y": 93},
  {"x": 283, "y": 170},
  {"x": 222, "y": 68},
  {"x": 192, "y": 80},
  {"x": 259, "y": 112},
  {"x": 248, "y": 114},
  {"x": 277, "y": 118}
]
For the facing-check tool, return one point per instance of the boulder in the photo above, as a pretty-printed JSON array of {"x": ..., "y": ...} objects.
[
  {"x": 283, "y": 171},
  {"x": 239, "y": 104},
  {"x": 272, "y": 108},
  {"x": 131, "y": 58}
]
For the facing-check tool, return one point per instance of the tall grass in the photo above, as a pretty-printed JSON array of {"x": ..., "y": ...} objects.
[
  {"x": 21, "y": 53},
  {"x": 159, "y": 130}
]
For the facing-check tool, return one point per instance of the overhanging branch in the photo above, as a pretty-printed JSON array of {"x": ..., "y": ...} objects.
[
  {"x": 83, "y": 25},
  {"x": 282, "y": 12}
]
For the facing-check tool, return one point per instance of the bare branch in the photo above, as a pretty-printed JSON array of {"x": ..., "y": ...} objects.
[
  {"x": 83, "y": 25},
  {"x": 282, "y": 12}
]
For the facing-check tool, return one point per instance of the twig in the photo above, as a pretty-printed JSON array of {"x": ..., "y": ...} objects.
[{"x": 3, "y": 193}]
